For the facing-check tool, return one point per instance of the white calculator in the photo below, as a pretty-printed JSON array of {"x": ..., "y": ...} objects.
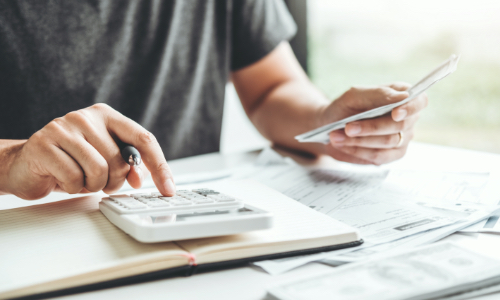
[{"x": 190, "y": 214}]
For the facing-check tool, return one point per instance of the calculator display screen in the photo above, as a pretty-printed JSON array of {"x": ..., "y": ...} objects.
[{"x": 186, "y": 217}]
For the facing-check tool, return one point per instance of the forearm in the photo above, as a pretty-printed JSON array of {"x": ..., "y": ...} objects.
[
  {"x": 8, "y": 149},
  {"x": 289, "y": 109}
]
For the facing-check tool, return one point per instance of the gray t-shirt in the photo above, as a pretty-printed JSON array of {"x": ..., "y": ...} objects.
[{"x": 164, "y": 64}]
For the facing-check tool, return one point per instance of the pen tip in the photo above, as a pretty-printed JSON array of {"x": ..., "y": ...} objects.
[{"x": 134, "y": 160}]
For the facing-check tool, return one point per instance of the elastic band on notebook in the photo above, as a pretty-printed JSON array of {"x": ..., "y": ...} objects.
[{"x": 191, "y": 257}]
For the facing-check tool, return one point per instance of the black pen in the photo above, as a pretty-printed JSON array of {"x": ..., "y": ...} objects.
[{"x": 131, "y": 155}]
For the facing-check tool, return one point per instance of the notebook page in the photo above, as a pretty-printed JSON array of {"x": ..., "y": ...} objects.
[
  {"x": 53, "y": 241},
  {"x": 296, "y": 227}
]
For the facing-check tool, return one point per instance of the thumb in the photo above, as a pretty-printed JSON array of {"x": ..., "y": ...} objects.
[{"x": 381, "y": 96}]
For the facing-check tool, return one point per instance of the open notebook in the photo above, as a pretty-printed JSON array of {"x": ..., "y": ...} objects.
[{"x": 68, "y": 244}]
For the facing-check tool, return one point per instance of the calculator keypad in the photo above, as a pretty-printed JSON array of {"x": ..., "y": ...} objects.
[{"x": 183, "y": 200}]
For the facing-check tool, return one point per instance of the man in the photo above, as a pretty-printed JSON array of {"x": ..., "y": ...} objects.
[{"x": 161, "y": 68}]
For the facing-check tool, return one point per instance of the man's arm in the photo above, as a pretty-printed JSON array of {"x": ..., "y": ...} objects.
[{"x": 281, "y": 102}]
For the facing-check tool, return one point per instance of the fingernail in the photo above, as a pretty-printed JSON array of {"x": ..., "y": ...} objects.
[
  {"x": 353, "y": 129},
  {"x": 169, "y": 186},
  {"x": 337, "y": 137},
  {"x": 400, "y": 115}
]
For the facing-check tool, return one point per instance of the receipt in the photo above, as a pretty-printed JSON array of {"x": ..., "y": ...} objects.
[{"x": 321, "y": 134}]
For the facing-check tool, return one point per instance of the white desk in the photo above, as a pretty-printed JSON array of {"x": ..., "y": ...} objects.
[{"x": 251, "y": 283}]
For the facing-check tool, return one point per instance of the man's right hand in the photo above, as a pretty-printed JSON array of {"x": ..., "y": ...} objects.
[{"x": 78, "y": 153}]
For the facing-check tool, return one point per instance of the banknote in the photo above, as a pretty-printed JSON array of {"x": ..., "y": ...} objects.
[{"x": 439, "y": 270}]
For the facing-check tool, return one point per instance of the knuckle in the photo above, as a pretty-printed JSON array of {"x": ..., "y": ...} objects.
[
  {"x": 55, "y": 125},
  {"x": 354, "y": 151},
  {"x": 75, "y": 116},
  {"x": 391, "y": 140},
  {"x": 352, "y": 91},
  {"x": 355, "y": 141},
  {"x": 377, "y": 157},
  {"x": 38, "y": 138},
  {"x": 163, "y": 167},
  {"x": 80, "y": 119},
  {"x": 114, "y": 188},
  {"x": 53, "y": 130},
  {"x": 74, "y": 179},
  {"x": 101, "y": 106},
  {"x": 385, "y": 91},
  {"x": 120, "y": 171},
  {"x": 146, "y": 137},
  {"x": 99, "y": 170},
  {"x": 371, "y": 127}
]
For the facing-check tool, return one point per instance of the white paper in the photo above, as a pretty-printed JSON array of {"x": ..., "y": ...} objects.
[
  {"x": 432, "y": 271},
  {"x": 382, "y": 217},
  {"x": 282, "y": 265},
  {"x": 320, "y": 189},
  {"x": 450, "y": 188},
  {"x": 490, "y": 225},
  {"x": 333, "y": 192},
  {"x": 321, "y": 134},
  {"x": 406, "y": 243}
]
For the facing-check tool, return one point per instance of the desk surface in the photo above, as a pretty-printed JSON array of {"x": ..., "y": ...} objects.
[{"x": 250, "y": 282}]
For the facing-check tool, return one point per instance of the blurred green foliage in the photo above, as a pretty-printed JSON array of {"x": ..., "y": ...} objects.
[{"x": 464, "y": 108}]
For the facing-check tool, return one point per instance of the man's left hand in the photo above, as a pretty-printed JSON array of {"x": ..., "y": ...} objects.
[{"x": 373, "y": 141}]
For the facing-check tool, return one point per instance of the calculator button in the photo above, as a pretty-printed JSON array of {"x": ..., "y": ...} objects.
[
  {"x": 136, "y": 196},
  {"x": 168, "y": 199},
  {"x": 203, "y": 200},
  {"x": 158, "y": 204},
  {"x": 148, "y": 201},
  {"x": 119, "y": 197},
  {"x": 156, "y": 194},
  {"x": 222, "y": 198},
  {"x": 133, "y": 205},
  {"x": 179, "y": 202},
  {"x": 205, "y": 192},
  {"x": 192, "y": 196}
]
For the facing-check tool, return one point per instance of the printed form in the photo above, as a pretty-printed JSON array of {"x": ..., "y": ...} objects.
[
  {"x": 393, "y": 210},
  {"x": 381, "y": 217}
]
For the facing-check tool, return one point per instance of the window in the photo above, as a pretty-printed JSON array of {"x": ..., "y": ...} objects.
[{"x": 363, "y": 42}]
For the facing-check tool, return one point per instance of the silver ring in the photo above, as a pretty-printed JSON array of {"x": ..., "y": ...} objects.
[{"x": 401, "y": 139}]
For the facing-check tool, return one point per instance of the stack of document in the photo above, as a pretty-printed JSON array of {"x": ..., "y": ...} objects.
[
  {"x": 438, "y": 271},
  {"x": 393, "y": 210}
]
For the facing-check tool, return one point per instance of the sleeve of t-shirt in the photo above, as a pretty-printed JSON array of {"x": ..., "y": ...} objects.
[{"x": 258, "y": 26}]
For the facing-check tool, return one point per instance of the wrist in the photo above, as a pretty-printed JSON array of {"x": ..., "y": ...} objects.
[{"x": 9, "y": 150}]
